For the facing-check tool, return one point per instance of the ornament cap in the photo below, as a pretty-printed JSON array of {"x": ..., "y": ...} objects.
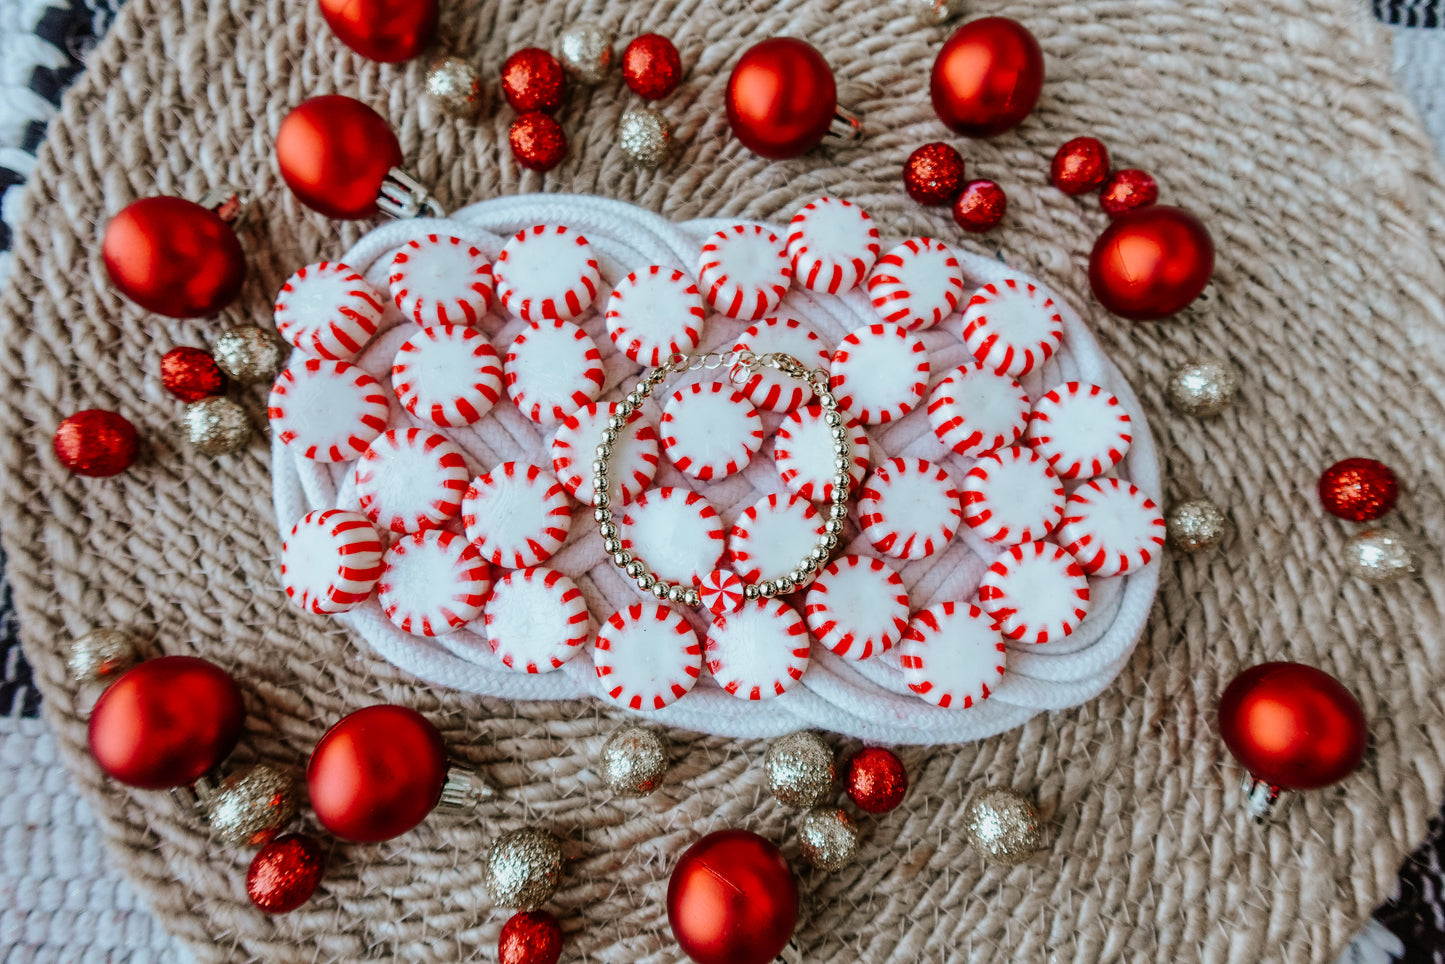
[
  {"x": 1260, "y": 798},
  {"x": 403, "y": 196},
  {"x": 846, "y": 128},
  {"x": 227, "y": 203},
  {"x": 464, "y": 789}
]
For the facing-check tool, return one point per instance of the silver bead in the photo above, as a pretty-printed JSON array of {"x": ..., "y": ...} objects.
[
  {"x": 217, "y": 426},
  {"x": 839, "y": 433},
  {"x": 250, "y": 807},
  {"x": 1379, "y": 556},
  {"x": 819, "y": 553},
  {"x": 677, "y": 594},
  {"x": 783, "y": 585},
  {"x": 656, "y": 376},
  {"x": 102, "y": 653},
  {"x": 621, "y": 559},
  {"x": 751, "y": 591},
  {"x": 585, "y": 50},
  {"x": 617, "y": 423},
  {"x": 633, "y": 760},
  {"x": 1003, "y": 824},
  {"x": 801, "y": 576},
  {"x": 645, "y": 136},
  {"x": 625, "y": 408},
  {"x": 606, "y": 530},
  {"x": 766, "y": 589},
  {"x": 249, "y": 354},
  {"x": 660, "y": 588},
  {"x": 827, "y": 400},
  {"x": 611, "y": 545},
  {"x": 604, "y": 451},
  {"x": 1201, "y": 387},
  {"x": 834, "y": 420},
  {"x": 691, "y": 598},
  {"x": 455, "y": 86},
  {"x": 635, "y": 568},
  {"x": 523, "y": 869},
  {"x": 828, "y": 541},
  {"x": 842, "y": 484},
  {"x": 1195, "y": 525},
  {"x": 602, "y": 514},
  {"x": 645, "y": 582},
  {"x": 634, "y": 399},
  {"x": 842, "y": 464},
  {"x": 801, "y": 769},
  {"x": 838, "y": 510},
  {"x": 828, "y": 838},
  {"x": 833, "y": 527},
  {"x": 600, "y": 499},
  {"x": 599, "y": 467},
  {"x": 609, "y": 435}
]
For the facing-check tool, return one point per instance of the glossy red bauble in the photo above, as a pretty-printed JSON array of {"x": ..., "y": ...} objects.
[
  {"x": 1151, "y": 262},
  {"x": 386, "y": 30},
  {"x": 285, "y": 872},
  {"x": 166, "y": 722},
  {"x": 96, "y": 443},
  {"x": 1359, "y": 489},
  {"x": 651, "y": 66},
  {"x": 1292, "y": 726},
  {"x": 533, "y": 79},
  {"x": 732, "y": 900},
  {"x": 191, "y": 374},
  {"x": 876, "y": 780},
  {"x": 781, "y": 98},
  {"x": 1080, "y": 165},
  {"x": 987, "y": 77},
  {"x": 531, "y": 937},
  {"x": 980, "y": 207},
  {"x": 377, "y": 773},
  {"x": 1128, "y": 189},
  {"x": 933, "y": 174},
  {"x": 173, "y": 257},
  {"x": 538, "y": 141},
  {"x": 334, "y": 153}
]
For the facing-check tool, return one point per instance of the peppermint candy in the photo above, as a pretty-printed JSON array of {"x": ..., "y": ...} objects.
[
  {"x": 516, "y": 515},
  {"x": 441, "y": 280},
  {"x": 880, "y": 373},
  {"x": 743, "y": 271},
  {"x": 547, "y": 272},
  {"x": 721, "y": 591},
  {"x": 647, "y": 657},
  {"x": 909, "y": 508},
  {"x": 676, "y": 530},
  {"x": 449, "y": 375},
  {"x": 1111, "y": 527},
  {"x": 551, "y": 370},
  {"x": 1035, "y": 593},
  {"x": 710, "y": 431},
  {"x": 432, "y": 583},
  {"x": 328, "y": 310},
  {"x": 536, "y": 620},
  {"x": 831, "y": 244},
  {"x": 410, "y": 480},
  {"x": 1081, "y": 429},
  {"x": 634, "y": 454},
  {"x": 1012, "y": 327},
  {"x": 654, "y": 314},
  {"x": 329, "y": 410},
  {"x": 758, "y": 652},
  {"x": 773, "y": 535},
  {"x": 917, "y": 284},
  {"x": 1012, "y": 496},
  {"x": 772, "y": 390},
  {"x": 974, "y": 410},
  {"x": 330, "y": 562},
  {"x": 952, "y": 655},
  {"x": 803, "y": 453},
  {"x": 857, "y": 607}
]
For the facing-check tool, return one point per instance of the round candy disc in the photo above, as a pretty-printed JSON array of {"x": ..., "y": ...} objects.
[
  {"x": 516, "y": 515},
  {"x": 710, "y": 431},
  {"x": 432, "y": 583},
  {"x": 974, "y": 410},
  {"x": 441, "y": 280},
  {"x": 675, "y": 532},
  {"x": 547, "y": 272},
  {"x": 1012, "y": 496},
  {"x": 857, "y": 607},
  {"x": 331, "y": 560},
  {"x": 449, "y": 375},
  {"x": 1111, "y": 527},
  {"x": 909, "y": 508},
  {"x": 634, "y": 454},
  {"x": 536, "y": 620},
  {"x": 328, "y": 310},
  {"x": 328, "y": 410},
  {"x": 803, "y": 453},
  {"x": 721, "y": 591},
  {"x": 879, "y": 373},
  {"x": 832, "y": 243},
  {"x": 551, "y": 370},
  {"x": 1035, "y": 592},
  {"x": 773, "y": 390},
  {"x": 952, "y": 655},
  {"x": 655, "y": 313},
  {"x": 917, "y": 284},
  {"x": 411, "y": 479},
  {"x": 744, "y": 272},
  {"x": 758, "y": 652},
  {"x": 647, "y": 657},
  {"x": 773, "y": 535},
  {"x": 1081, "y": 429},
  {"x": 1012, "y": 327}
]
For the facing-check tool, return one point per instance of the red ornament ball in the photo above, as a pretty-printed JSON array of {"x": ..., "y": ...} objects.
[
  {"x": 388, "y": 31},
  {"x": 732, "y": 900},
  {"x": 173, "y": 257},
  {"x": 1292, "y": 726},
  {"x": 285, "y": 872},
  {"x": 533, "y": 79},
  {"x": 377, "y": 773},
  {"x": 1151, "y": 262},
  {"x": 538, "y": 141},
  {"x": 1359, "y": 489},
  {"x": 1128, "y": 189},
  {"x": 933, "y": 174},
  {"x": 781, "y": 98},
  {"x": 987, "y": 77},
  {"x": 651, "y": 66},
  {"x": 531, "y": 937},
  {"x": 877, "y": 780},
  {"x": 1080, "y": 165},
  {"x": 980, "y": 207},
  {"x": 191, "y": 374},
  {"x": 96, "y": 443},
  {"x": 166, "y": 722},
  {"x": 334, "y": 152}
]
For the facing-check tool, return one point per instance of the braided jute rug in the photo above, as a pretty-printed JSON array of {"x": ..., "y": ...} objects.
[{"x": 1272, "y": 119}]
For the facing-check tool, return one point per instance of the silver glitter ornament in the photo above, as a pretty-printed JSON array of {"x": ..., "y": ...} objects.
[
  {"x": 102, "y": 653},
  {"x": 633, "y": 760},
  {"x": 934, "y": 11},
  {"x": 249, "y": 354},
  {"x": 828, "y": 838},
  {"x": 1379, "y": 556},
  {"x": 800, "y": 768},
  {"x": 1202, "y": 387},
  {"x": 585, "y": 50},
  {"x": 523, "y": 869},
  {"x": 1195, "y": 525},
  {"x": 454, "y": 85},
  {"x": 250, "y": 807},
  {"x": 217, "y": 426},
  {"x": 645, "y": 135},
  {"x": 1003, "y": 824}
]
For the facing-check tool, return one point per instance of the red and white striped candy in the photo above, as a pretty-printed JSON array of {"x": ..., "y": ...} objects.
[
  {"x": 328, "y": 410},
  {"x": 331, "y": 560},
  {"x": 917, "y": 284},
  {"x": 1012, "y": 327},
  {"x": 952, "y": 655},
  {"x": 909, "y": 508},
  {"x": 441, "y": 280},
  {"x": 1035, "y": 592},
  {"x": 758, "y": 652},
  {"x": 551, "y": 370},
  {"x": 710, "y": 431},
  {"x": 772, "y": 390},
  {"x": 773, "y": 535},
  {"x": 974, "y": 410},
  {"x": 655, "y": 313},
  {"x": 743, "y": 271},
  {"x": 1081, "y": 429},
  {"x": 432, "y": 583},
  {"x": 857, "y": 607},
  {"x": 803, "y": 453},
  {"x": 1111, "y": 527},
  {"x": 449, "y": 375},
  {"x": 832, "y": 243},
  {"x": 328, "y": 310},
  {"x": 547, "y": 272},
  {"x": 516, "y": 515},
  {"x": 674, "y": 531},
  {"x": 880, "y": 372},
  {"x": 410, "y": 480},
  {"x": 721, "y": 591},
  {"x": 1012, "y": 496},
  {"x": 634, "y": 454},
  {"x": 536, "y": 620},
  {"x": 647, "y": 657}
]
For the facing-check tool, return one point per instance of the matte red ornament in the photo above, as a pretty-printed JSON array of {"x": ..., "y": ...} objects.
[
  {"x": 732, "y": 900},
  {"x": 191, "y": 374},
  {"x": 166, "y": 722},
  {"x": 1151, "y": 262},
  {"x": 987, "y": 77},
  {"x": 334, "y": 153},
  {"x": 533, "y": 79},
  {"x": 538, "y": 141},
  {"x": 285, "y": 872},
  {"x": 1128, "y": 189},
  {"x": 96, "y": 443},
  {"x": 1080, "y": 165},
  {"x": 781, "y": 98},
  {"x": 377, "y": 773},
  {"x": 173, "y": 257},
  {"x": 933, "y": 174},
  {"x": 877, "y": 779},
  {"x": 531, "y": 937},
  {"x": 651, "y": 66},
  {"x": 1359, "y": 489},
  {"x": 980, "y": 207},
  {"x": 389, "y": 31}
]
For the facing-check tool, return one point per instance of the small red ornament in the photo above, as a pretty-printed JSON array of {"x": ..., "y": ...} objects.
[
  {"x": 96, "y": 443},
  {"x": 933, "y": 174},
  {"x": 191, "y": 374},
  {"x": 173, "y": 257},
  {"x": 388, "y": 31},
  {"x": 987, "y": 77},
  {"x": 651, "y": 66},
  {"x": 1151, "y": 262},
  {"x": 377, "y": 773},
  {"x": 1080, "y": 165},
  {"x": 532, "y": 937},
  {"x": 285, "y": 872},
  {"x": 1359, "y": 489},
  {"x": 781, "y": 98},
  {"x": 166, "y": 722},
  {"x": 877, "y": 779},
  {"x": 334, "y": 153},
  {"x": 538, "y": 141},
  {"x": 533, "y": 79},
  {"x": 980, "y": 207},
  {"x": 732, "y": 900},
  {"x": 1127, "y": 190}
]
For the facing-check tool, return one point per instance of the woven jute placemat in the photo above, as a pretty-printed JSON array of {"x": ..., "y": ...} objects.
[{"x": 1275, "y": 121}]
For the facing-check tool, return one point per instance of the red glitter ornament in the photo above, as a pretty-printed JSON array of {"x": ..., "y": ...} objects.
[
  {"x": 1127, "y": 190},
  {"x": 334, "y": 153},
  {"x": 388, "y": 31},
  {"x": 1151, "y": 262},
  {"x": 285, "y": 872},
  {"x": 933, "y": 174},
  {"x": 191, "y": 374},
  {"x": 980, "y": 207},
  {"x": 538, "y": 141},
  {"x": 877, "y": 779},
  {"x": 781, "y": 98},
  {"x": 1080, "y": 165},
  {"x": 732, "y": 900},
  {"x": 533, "y": 79},
  {"x": 1293, "y": 726},
  {"x": 96, "y": 443},
  {"x": 173, "y": 257},
  {"x": 1359, "y": 489},
  {"x": 987, "y": 77},
  {"x": 532, "y": 937},
  {"x": 651, "y": 66}
]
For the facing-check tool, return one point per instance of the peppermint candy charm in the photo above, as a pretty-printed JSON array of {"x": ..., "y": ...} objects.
[
  {"x": 1035, "y": 593},
  {"x": 857, "y": 607},
  {"x": 330, "y": 562},
  {"x": 803, "y": 452},
  {"x": 1081, "y": 429},
  {"x": 654, "y": 314},
  {"x": 909, "y": 508},
  {"x": 1111, "y": 527},
  {"x": 974, "y": 410},
  {"x": 952, "y": 655},
  {"x": 1012, "y": 496},
  {"x": 441, "y": 280},
  {"x": 647, "y": 657},
  {"x": 743, "y": 271},
  {"x": 772, "y": 390},
  {"x": 917, "y": 284},
  {"x": 1012, "y": 327},
  {"x": 676, "y": 530},
  {"x": 328, "y": 310},
  {"x": 831, "y": 244},
  {"x": 516, "y": 515},
  {"x": 710, "y": 431},
  {"x": 410, "y": 480},
  {"x": 547, "y": 272},
  {"x": 536, "y": 620},
  {"x": 721, "y": 592},
  {"x": 880, "y": 373},
  {"x": 773, "y": 535},
  {"x": 551, "y": 370},
  {"x": 758, "y": 652},
  {"x": 432, "y": 583},
  {"x": 634, "y": 454},
  {"x": 329, "y": 410},
  {"x": 449, "y": 375}
]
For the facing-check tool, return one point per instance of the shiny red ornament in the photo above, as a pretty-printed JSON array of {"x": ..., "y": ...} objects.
[
  {"x": 980, "y": 207},
  {"x": 877, "y": 779},
  {"x": 732, "y": 900},
  {"x": 173, "y": 257},
  {"x": 532, "y": 937},
  {"x": 933, "y": 174},
  {"x": 334, "y": 153},
  {"x": 533, "y": 79},
  {"x": 1151, "y": 262},
  {"x": 166, "y": 722},
  {"x": 538, "y": 141},
  {"x": 1359, "y": 489},
  {"x": 987, "y": 77},
  {"x": 285, "y": 872},
  {"x": 1128, "y": 189},
  {"x": 651, "y": 66},
  {"x": 191, "y": 374},
  {"x": 781, "y": 98},
  {"x": 388, "y": 31},
  {"x": 1292, "y": 726},
  {"x": 377, "y": 773},
  {"x": 1080, "y": 165},
  {"x": 96, "y": 443}
]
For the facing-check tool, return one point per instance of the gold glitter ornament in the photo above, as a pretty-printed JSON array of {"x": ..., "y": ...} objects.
[
  {"x": 1379, "y": 556},
  {"x": 249, "y": 808},
  {"x": 523, "y": 868},
  {"x": 1195, "y": 525},
  {"x": 454, "y": 85},
  {"x": 249, "y": 354},
  {"x": 217, "y": 426},
  {"x": 800, "y": 769},
  {"x": 1202, "y": 387},
  {"x": 585, "y": 50},
  {"x": 633, "y": 760},
  {"x": 645, "y": 135},
  {"x": 102, "y": 653},
  {"x": 1003, "y": 824},
  {"x": 828, "y": 838}
]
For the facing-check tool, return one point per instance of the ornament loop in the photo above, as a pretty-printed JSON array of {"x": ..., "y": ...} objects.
[{"x": 403, "y": 196}]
